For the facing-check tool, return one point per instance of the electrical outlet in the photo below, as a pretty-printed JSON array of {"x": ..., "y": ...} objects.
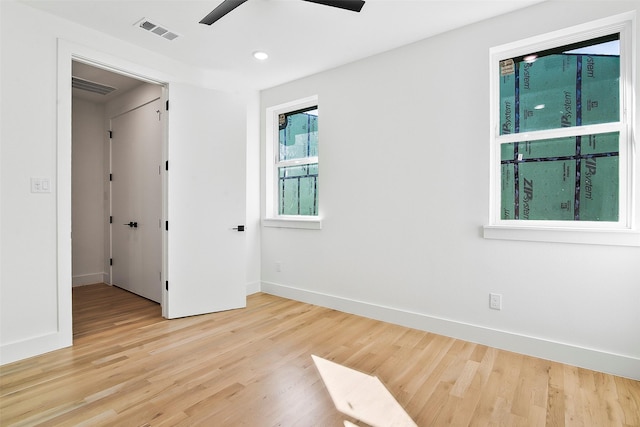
[{"x": 495, "y": 301}]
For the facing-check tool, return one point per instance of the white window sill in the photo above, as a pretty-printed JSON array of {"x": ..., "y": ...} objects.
[
  {"x": 310, "y": 223},
  {"x": 563, "y": 235}
]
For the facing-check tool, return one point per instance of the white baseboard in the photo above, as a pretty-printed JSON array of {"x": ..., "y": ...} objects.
[
  {"x": 253, "y": 288},
  {"x": 615, "y": 364},
  {"x": 90, "y": 279},
  {"x": 35, "y": 346}
]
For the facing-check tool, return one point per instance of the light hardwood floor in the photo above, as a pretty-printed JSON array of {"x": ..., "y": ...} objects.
[{"x": 253, "y": 367}]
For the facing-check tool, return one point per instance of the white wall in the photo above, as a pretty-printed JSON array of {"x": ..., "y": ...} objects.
[
  {"x": 252, "y": 229},
  {"x": 35, "y": 243},
  {"x": 136, "y": 97},
  {"x": 88, "y": 193},
  {"x": 404, "y": 191},
  {"x": 28, "y": 291}
]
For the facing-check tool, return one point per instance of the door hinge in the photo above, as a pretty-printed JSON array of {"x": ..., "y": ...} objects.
[
  {"x": 110, "y": 177},
  {"x": 167, "y": 105},
  {"x": 166, "y": 285},
  {"x": 110, "y": 219},
  {"x": 166, "y": 225},
  {"x": 110, "y": 134},
  {"x": 110, "y": 261},
  {"x": 166, "y": 165}
]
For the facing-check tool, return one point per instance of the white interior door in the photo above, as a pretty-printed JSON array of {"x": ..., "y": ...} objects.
[
  {"x": 136, "y": 197},
  {"x": 206, "y": 199}
]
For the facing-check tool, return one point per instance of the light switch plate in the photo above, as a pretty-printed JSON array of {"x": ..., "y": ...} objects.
[{"x": 40, "y": 185}]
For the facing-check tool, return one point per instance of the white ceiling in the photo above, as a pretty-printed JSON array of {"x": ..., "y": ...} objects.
[{"x": 301, "y": 38}]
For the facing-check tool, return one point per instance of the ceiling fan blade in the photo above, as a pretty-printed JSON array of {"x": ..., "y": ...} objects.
[
  {"x": 223, "y": 8},
  {"x": 353, "y": 5}
]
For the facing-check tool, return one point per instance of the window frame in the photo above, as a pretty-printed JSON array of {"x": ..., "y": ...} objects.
[
  {"x": 272, "y": 217},
  {"x": 623, "y": 232}
]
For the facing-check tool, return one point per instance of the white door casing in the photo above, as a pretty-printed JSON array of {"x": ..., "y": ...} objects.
[
  {"x": 68, "y": 51},
  {"x": 136, "y": 198}
]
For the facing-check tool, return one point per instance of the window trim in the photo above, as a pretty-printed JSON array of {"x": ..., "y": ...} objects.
[
  {"x": 271, "y": 216},
  {"x": 625, "y": 232}
]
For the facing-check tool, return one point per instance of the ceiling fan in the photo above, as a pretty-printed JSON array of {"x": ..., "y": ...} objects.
[{"x": 228, "y": 5}]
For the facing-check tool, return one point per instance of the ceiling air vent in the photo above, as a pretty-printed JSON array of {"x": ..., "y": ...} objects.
[
  {"x": 90, "y": 86},
  {"x": 156, "y": 29}
]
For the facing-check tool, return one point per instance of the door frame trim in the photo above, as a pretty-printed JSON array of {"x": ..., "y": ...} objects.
[{"x": 68, "y": 52}]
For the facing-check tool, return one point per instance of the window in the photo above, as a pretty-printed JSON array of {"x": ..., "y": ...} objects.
[
  {"x": 297, "y": 162},
  {"x": 292, "y": 165},
  {"x": 562, "y": 148}
]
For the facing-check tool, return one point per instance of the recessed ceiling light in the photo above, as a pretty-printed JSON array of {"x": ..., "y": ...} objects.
[{"x": 260, "y": 56}]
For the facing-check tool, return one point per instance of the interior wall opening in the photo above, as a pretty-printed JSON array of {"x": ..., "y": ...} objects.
[{"x": 99, "y": 97}]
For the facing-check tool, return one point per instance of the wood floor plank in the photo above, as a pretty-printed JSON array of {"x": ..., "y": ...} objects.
[
  {"x": 253, "y": 366},
  {"x": 629, "y": 400},
  {"x": 556, "y": 397}
]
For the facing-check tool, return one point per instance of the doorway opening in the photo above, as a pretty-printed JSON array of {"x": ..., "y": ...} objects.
[{"x": 118, "y": 133}]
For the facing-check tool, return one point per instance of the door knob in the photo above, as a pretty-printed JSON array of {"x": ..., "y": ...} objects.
[{"x": 132, "y": 224}]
